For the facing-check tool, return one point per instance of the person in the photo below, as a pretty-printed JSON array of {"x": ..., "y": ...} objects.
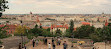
[
  {"x": 37, "y": 42},
  {"x": 52, "y": 40},
  {"x": 59, "y": 41},
  {"x": 33, "y": 42},
  {"x": 54, "y": 46},
  {"x": 20, "y": 46},
  {"x": 25, "y": 46},
  {"x": 49, "y": 45},
  {"x": 65, "y": 45},
  {"x": 46, "y": 41}
]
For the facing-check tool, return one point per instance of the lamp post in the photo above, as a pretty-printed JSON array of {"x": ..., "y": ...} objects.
[{"x": 22, "y": 34}]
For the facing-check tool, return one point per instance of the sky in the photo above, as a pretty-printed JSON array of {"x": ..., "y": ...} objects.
[{"x": 59, "y": 6}]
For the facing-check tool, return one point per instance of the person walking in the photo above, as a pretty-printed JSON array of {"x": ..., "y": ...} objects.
[
  {"x": 45, "y": 41},
  {"x": 20, "y": 46},
  {"x": 49, "y": 46},
  {"x": 52, "y": 40},
  {"x": 37, "y": 42},
  {"x": 59, "y": 41},
  {"x": 33, "y": 42},
  {"x": 54, "y": 46},
  {"x": 65, "y": 45},
  {"x": 25, "y": 46}
]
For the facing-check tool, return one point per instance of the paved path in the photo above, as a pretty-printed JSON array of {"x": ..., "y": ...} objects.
[
  {"x": 42, "y": 46},
  {"x": 12, "y": 42}
]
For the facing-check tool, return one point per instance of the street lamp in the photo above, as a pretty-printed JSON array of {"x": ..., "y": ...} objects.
[{"x": 21, "y": 34}]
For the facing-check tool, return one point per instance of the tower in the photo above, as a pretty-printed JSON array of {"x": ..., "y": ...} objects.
[{"x": 38, "y": 22}]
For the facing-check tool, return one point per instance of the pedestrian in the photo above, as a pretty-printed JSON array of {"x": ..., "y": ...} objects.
[
  {"x": 33, "y": 42},
  {"x": 52, "y": 40},
  {"x": 25, "y": 46},
  {"x": 37, "y": 42},
  {"x": 54, "y": 46},
  {"x": 59, "y": 41},
  {"x": 20, "y": 46},
  {"x": 45, "y": 41},
  {"x": 49, "y": 45},
  {"x": 65, "y": 45}
]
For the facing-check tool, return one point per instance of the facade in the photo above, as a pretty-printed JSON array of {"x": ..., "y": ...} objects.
[
  {"x": 61, "y": 27},
  {"x": 10, "y": 29}
]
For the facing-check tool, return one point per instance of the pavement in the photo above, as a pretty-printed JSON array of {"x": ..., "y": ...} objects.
[{"x": 42, "y": 46}]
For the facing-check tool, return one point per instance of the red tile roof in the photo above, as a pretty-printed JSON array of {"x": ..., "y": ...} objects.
[
  {"x": 11, "y": 28},
  {"x": 59, "y": 26},
  {"x": 85, "y": 23},
  {"x": 45, "y": 27}
]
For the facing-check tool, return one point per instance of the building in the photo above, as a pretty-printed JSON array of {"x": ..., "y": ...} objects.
[
  {"x": 10, "y": 29},
  {"x": 61, "y": 27}
]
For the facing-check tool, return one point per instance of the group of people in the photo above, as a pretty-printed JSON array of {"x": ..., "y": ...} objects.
[
  {"x": 58, "y": 43},
  {"x": 53, "y": 45},
  {"x": 34, "y": 42},
  {"x": 21, "y": 46}
]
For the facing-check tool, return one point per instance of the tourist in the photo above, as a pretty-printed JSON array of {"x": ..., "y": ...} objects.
[
  {"x": 59, "y": 41},
  {"x": 33, "y": 42},
  {"x": 54, "y": 46},
  {"x": 65, "y": 45},
  {"x": 25, "y": 46},
  {"x": 37, "y": 42},
  {"x": 52, "y": 40},
  {"x": 20, "y": 46},
  {"x": 45, "y": 41},
  {"x": 49, "y": 45}
]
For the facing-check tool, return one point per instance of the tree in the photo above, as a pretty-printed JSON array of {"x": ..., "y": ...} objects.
[
  {"x": 3, "y": 32},
  {"x": 71, "y": 26},
  {"x": 105, "y": 33},
  {"x": 58, "y": 32},
  {"x": 3, "y": 6},
  {"x": 36, "y": 26},
  {"x": 20, "y": 30},
  {"x": 84, "y": 31},
  {"x": 48, "y": 29}
]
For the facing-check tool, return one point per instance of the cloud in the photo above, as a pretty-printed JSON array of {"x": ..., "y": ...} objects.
[{"x": 58, "y": 6}]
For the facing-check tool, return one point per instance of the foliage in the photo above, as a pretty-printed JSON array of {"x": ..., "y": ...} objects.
[
  {"x": 84, "y": 31},
  {"x": 71, "y": 26},
  {"x": 48, "y": 29},
  {"x": 3, "y": 32},
  {"x": 58, "y": 32},
  {"x": 70, "y": 31},
  {"x": 20, "y": 29},
  {"x": 35, "y": 32},
  {"x": 3, "y": 5}
]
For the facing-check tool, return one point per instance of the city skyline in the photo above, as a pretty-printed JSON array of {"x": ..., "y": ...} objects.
[{"x": 59, "y": 6}]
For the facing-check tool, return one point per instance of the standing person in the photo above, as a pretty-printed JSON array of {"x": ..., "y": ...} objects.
[
  {"x": 25, "y": 46},
  {"x": 65, "y": 45},
  {"x": 20, "y": 46},
  {"x": 54, "y": 46},
  {"x": 52, "y": 41},
  {"x": 37, "y": 42},
  {"x": 46, "y": 41},
  {"x": 49, "y": 45},
  {"x": 33, "y": 42},
  {"x": 59, "y": 41}
]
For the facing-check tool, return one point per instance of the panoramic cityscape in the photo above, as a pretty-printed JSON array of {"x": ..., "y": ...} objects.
[{"x": 55, "y": 24}]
